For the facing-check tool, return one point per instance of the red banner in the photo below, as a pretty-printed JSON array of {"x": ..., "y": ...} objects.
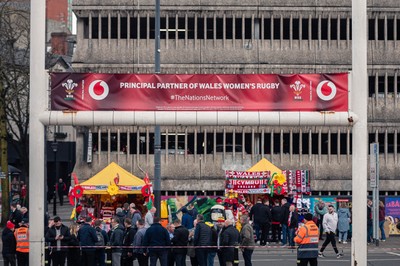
[
  {"x": 199, "y": 92},
  {"x": 229, "y": 174}
]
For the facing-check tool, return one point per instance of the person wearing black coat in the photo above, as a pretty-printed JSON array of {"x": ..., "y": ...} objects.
[
  {"x": 129, "y": 233},
  {"x": 9, "y": 244},
  {"x": 255, "y": 216},
  {"x": 59, "y": 236},
  {"x": 229, "y": 237},
  {"x": 16, "y": 215},
  {"x": 284, "y": 222},
  {"x": 87, "y": 239},
  {"x": 116, "y": 238},
  {"x": 265, "y": 222},
  {"x": 202, "y": 237},
  {"x": 276, "y": 219},
  {"x": 73, "y": 255},
  {"x": 157, "y": 236},
  {"x": 181, "y": 238}
]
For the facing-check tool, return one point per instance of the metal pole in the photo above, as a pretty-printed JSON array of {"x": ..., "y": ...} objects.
[
  {"x": 359, "y": 103},
  {"x": 54, "y": 146},
  {"x": 157, "y": 131},
  {"x": 376, "y": 199},
  {"x": 37, "y": 105}
]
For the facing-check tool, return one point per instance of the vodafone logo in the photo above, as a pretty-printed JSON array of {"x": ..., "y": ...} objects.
[
  {"x": 326, "y": 90},
  {"x": 98, "y": 90}
]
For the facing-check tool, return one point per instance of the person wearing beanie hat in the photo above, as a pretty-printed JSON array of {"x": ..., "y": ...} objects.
[
  {"x": 10, "y": 225},
  {"x": 307, "y": 238},
  {"x": 9, "y": 244}
]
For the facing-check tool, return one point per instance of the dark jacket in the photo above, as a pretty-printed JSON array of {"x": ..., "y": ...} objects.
[
  {"x": 294, "y": 221},
  {"x": 9, "y": 243},
  {"x": 138, "y": 241},
  {"x": 121, "y": 218},
  {"x": 256, "y": 212},
  {"x": 156, "y": 235},
  {"x": 25, "y": 217},
  {"x": 265, "y": 215},
  {"x": 52, "y": 233},
  {"x": 87, "y": 236},
  {"x": 187, "y": 220},
  {"x": 202, "y": 235},
  {"x": 381, "y": 213},
  {"x": 181, "y": 238},
  {"x": 285, "y": 213},
  {"x": 136, "y": 216},
  {"x": 16, "y": 217},
  {"x": 229, "y": 237},
  {"x": 369, "y": 215},
  {"x": 61, "y": 187},
  {"x": 276, "y": 214},
  {"x": 116, "y": 238},
  {"x": 129, "y": 234}
]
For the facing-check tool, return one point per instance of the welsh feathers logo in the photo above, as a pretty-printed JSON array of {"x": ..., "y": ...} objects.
[
  {"x": 297, "y": 89},
  {"x": 69, "y": 89},
  {"x": 326, "y": 90},
  {"x": 98, "y": 90}
]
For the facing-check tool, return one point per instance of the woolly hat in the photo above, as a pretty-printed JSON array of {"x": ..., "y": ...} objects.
[
  {"x": 308, "y": 216},
  {"x": 10, "y": 225}
]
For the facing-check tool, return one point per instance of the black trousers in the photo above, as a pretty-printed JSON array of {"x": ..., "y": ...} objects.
[
  {"x": 142, "y": 259},
  {"x": 330, "y": 238},
  {"x": 58, "y": 258},
  {"x": 276, "y": 232},
  {"x": 305, "y": 262},
  {"x": 264, "y": 233},
  {"x": 9, "y": 259}
]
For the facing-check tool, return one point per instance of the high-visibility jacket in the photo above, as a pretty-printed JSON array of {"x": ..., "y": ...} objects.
[
  {"x": 22, "y": 238},
  {"x": 307, "y": 237}
]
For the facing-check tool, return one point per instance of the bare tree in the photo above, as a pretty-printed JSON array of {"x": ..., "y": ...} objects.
[{"x": 14, "y": 89}]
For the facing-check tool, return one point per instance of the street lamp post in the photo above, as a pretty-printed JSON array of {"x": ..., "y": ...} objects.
[{"x": 54, "y": 147}]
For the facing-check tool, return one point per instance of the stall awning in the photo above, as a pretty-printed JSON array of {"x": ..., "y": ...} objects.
[
  {"x": 113, "y": 174},
  {"x": 264, "y": 165}
]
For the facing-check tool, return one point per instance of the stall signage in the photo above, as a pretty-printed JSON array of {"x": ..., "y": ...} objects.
[
  {"x": 104, "y": 187},
  {"x": 229, "y": 174},
  {"x": 199, "y": 92},
  {"x": 129, "y": 188},
  {"x": 247, "y": 182},
  {"x": 236, "y": 184},
  {"x": 253, "y": 191}
]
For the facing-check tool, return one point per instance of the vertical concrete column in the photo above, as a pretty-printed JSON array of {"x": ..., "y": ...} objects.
[
  {"x": 359, "y": 103},
  {"x": 38, "y": 102}
]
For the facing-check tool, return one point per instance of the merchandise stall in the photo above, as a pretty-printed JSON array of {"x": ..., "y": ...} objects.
[
  {"x": 265, "y": 180},
  {"x": 107, "y": 190}
]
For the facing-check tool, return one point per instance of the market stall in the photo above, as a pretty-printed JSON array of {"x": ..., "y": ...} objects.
[
  {"x": 108, "y": 189},
  {"x": 266, "y": 180}
]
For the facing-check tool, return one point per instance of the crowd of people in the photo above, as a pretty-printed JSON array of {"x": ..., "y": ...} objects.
[
  {"x": 15, "y": 237},
  {"x": 133, "y": 236}
]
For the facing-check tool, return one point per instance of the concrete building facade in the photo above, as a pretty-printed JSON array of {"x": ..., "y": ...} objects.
[{"x": 251, "y": 36}]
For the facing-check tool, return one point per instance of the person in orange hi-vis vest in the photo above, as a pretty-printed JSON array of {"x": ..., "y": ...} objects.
[
  {"x": 22, "y": 238},
  {"x": 307, "y": 238}
]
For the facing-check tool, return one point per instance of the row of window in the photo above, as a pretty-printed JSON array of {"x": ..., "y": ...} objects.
[
  {"x": 240, "y": 143},
  {"x": 235, "y": 28},
  {"x": 383, "y": 84}
]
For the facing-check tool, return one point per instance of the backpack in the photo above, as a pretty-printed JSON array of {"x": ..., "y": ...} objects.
[{"x": 100, "y": 238}]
